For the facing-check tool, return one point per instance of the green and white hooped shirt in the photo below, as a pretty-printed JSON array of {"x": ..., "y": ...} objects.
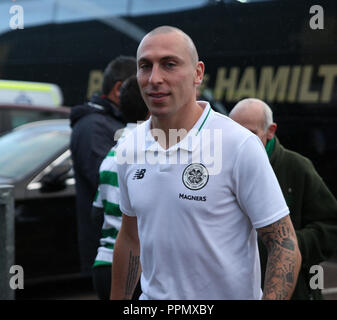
[{"x": 107, "y": 197}]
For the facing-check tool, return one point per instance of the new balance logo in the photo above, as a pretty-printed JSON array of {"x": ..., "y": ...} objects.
[{"x": 139, "y": 174}]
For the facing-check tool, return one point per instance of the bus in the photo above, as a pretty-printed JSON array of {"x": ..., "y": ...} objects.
[{"x": 281, "y": 51}]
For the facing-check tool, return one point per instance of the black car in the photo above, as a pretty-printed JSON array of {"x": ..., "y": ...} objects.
[{"x": 35, "y": 158}]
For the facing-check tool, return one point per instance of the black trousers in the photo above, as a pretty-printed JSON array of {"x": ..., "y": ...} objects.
[{"x": 102, "y": 283}]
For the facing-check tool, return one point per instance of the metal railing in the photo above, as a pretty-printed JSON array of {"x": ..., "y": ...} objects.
[{"x": 7, "y": 240}]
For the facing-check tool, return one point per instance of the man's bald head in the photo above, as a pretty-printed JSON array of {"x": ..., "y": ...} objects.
[
  {"x": 256, "y": 116},
  {"x": 253, "y": 108},
  {"x": 168, "y": 29}
]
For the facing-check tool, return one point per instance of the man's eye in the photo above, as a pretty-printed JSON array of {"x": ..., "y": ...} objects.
[
  {"x": 170, "y": 65},
  {"x": 144, "y": 66}
]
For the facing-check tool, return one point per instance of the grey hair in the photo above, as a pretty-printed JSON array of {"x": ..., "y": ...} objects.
[
  {"x": 268, "y": 116},
  {"x": 245, "y": 103}
]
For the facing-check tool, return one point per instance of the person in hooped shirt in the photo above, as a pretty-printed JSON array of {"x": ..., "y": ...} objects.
[{"x": 106, "y": 202}]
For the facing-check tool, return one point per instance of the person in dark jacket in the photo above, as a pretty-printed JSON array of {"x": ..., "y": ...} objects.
[
  {"x": 93, "y": 134},
  {"x": 313, "y": 208}
]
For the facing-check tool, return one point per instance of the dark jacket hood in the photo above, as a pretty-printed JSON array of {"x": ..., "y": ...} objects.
[{"x": 95, "y": 105}]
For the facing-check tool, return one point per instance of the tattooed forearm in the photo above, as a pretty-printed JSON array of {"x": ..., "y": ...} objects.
[
  {"x": 132, "y": 276},
  {"x": 283, "y": 259}
]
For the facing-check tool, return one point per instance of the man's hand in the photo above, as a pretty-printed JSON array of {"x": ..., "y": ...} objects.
[{"x": 284, "y": 259}]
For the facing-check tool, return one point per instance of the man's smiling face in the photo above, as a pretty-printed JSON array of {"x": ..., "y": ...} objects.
[{"x": 167, "y": 73}]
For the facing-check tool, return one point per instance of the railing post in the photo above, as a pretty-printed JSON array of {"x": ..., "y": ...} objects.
[{"x": 7, "y": 240}]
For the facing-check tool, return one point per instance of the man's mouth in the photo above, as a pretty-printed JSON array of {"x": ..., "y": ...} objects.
[{"x": 158, "y": 95}]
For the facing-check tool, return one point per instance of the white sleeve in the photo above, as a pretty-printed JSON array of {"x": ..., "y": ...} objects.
[
  {"x": 124, "y": 204},
  {"x": 257, "y": 189}
]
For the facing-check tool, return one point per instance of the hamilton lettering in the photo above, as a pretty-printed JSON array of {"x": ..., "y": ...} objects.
[
  {"x": 277, "y": 83},
  {"x": 189, "y": 197}
]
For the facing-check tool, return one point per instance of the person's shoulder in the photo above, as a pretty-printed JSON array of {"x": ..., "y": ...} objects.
[
  {"x": 293, "y": 155},
  {"x": 102, "y": 125},
  {"x": 129, "y": 128},
  {"x": 78, "y": 113},
  {"x": 83, "y": 116},
  {"x": 137, "y": 131},
  {"x": 109, "y": 162},
  {"x": 131, "y": 137},
  {"x": 297, "y": 160}
]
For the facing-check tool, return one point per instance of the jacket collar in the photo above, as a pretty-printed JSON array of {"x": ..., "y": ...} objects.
[
  {"x": 277, "y": 155},
  {"x": 95, "y": 105},
  {"x": 106, "y": 105}
]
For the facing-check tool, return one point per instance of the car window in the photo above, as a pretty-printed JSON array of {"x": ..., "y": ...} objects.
[
  {"x": 19, "y": 117},
  {"x": 24, "y": 151}
]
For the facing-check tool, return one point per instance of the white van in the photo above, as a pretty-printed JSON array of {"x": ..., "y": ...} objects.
[{"x": 30, "y": 93}]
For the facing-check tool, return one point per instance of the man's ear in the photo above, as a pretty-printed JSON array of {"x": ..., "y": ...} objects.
[
  {"x": 199, "y": 73},
  {"x": 271, "y": 131},
  {"x": 115, "y": 92},
  {"x": 117, "y": 89}
]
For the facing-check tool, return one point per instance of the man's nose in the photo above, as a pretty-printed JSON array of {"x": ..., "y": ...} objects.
[{"x": 156, "y": 75}]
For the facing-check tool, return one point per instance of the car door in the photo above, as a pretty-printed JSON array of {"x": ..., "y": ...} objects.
[{"x": 46, "y": 229}]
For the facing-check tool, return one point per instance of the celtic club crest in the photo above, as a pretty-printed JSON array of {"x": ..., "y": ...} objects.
[{"x": 195, "y": 176}]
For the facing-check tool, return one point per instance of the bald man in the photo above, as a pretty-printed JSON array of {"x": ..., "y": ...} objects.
[
  {"x": 313, "y": 209},
  {"x": 189, "y": 225}
]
